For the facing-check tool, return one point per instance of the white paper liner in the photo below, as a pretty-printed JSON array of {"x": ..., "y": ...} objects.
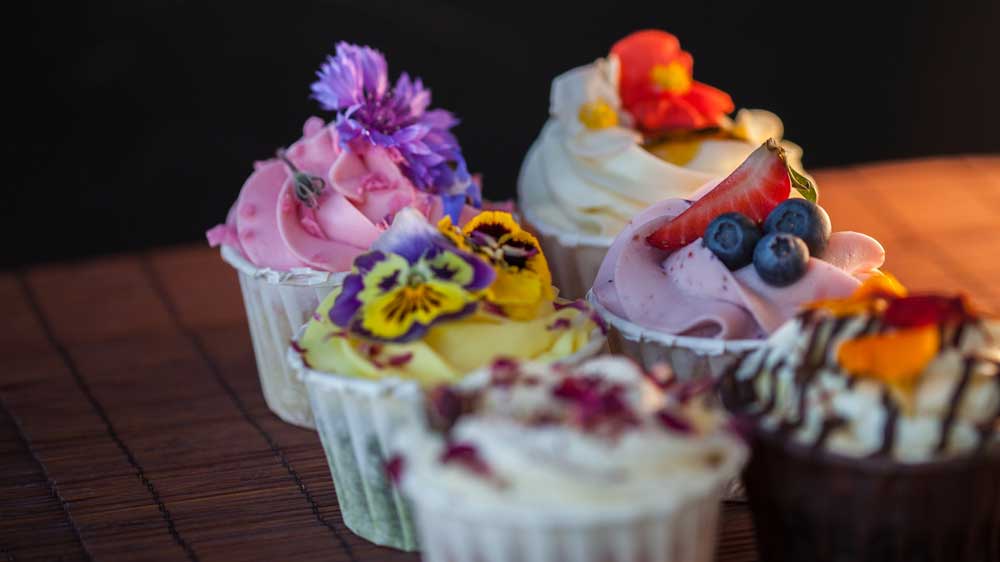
[
  {"x": 689, "y": 357},
  {"x": 682, "y": 530},
  {"x": 277, "y": 303},
  {"x": 574, "y": 258},
  {"x": 356, "y": 419}
]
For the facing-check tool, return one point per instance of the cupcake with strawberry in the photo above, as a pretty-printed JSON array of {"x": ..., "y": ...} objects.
[
  {"x": 625, "y": 132},
  {"x": 699, "y": 282},
  {"x": 875, "y": 425},
  {"x": 426, "y": 305},
  {"x": 304, "y": 214}
]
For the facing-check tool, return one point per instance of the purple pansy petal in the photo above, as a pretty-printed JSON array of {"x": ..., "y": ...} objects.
[
  {"x": 452, "y": 205},
  {"x": 410, "y": 236},
  {"x": 347, "y": 304},
  {"x": 366, "y": 262}
]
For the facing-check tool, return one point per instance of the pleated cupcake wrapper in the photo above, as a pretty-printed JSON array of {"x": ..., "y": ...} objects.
[
  {"x": 811, "y": 505},
  {"x": 685, "y": 530},
  {"x": 277, "y": 303},
  {"x": 356, "y": 419},
  {"x": 689, "y": 357},
  {"x": 574, "y": 259}
]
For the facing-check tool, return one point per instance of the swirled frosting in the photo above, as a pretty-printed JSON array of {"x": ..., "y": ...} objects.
[
  {"x": 691, "y": 293},
  {"x": 601, "y": 435},
  {"x": 364, "y": 188},
  {"x": 582, "y": 180},
  {"x": 799, "y": 386},
  {"x": 449, "y": 350}
]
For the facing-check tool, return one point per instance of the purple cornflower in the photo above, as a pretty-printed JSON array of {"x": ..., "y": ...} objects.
[{"x": 355, "y": 83}]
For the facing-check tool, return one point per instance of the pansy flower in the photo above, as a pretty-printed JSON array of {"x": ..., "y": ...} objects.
[
  {"x": 411, "y": 279},
  {"x": 355, "y": 83},
  {"x": 523, "y": 279},
  {"x": 657, "y": 88}
]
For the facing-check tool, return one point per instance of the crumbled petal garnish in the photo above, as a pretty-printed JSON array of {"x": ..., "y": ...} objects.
[
  {"x": 599, "y": 321},
  {"x": 560, "y": 324},
  {"x": 412, "y": 279},
  {"x": 504, "y": 372},
  {"x": 523, "y": 279},
  {"x": 355, "y": 83},
  {"x": 444, "y": 406},
  {"x": 896, "y": 358},
  {"x": 401, "y": 359},
  {"x": 595, "y": 406},
  {"x": 394, "y": 468},
  {"x": 673, "y": 421},
  {"x": 298, "y": 348},
  {"x": 467, "y": 456},
  {"x": 924, "y": 310}
]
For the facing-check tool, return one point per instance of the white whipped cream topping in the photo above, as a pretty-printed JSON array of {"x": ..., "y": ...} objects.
[
  {"x": 919, "y": 424},
  {"x": 560, "y": 467},
  {"x": 591, "y": 182}
]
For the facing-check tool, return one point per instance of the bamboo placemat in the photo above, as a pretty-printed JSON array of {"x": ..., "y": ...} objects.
[{"x": 132, "y": 425}]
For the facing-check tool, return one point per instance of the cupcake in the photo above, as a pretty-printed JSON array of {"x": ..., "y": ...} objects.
[
  {"x": 698, "y": 282},
  {"x": 875, "y": 425},
  {"x": 303, "y": 216},
  {"x": 524, "y": 461},
  {"x": 426, "y": 306},
  {"x": 626, "y": 132}
]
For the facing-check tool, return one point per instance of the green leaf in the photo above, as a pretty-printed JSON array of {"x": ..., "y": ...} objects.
[{"x": 802, "y": 184}]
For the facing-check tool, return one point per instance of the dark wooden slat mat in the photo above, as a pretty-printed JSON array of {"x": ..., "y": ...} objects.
[{"x": 132, "y": 425}]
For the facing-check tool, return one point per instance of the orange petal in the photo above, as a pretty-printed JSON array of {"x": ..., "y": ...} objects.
[{"x": 896, "y": 358}]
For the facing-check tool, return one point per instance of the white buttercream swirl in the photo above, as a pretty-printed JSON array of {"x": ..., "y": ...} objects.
[
  {"x": 557, "y": 466},
  {"x": 918, "y": 428},
  {"x": 591, "y": 182}
]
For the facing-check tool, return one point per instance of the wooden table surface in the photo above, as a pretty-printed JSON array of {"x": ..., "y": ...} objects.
[{"x": 132, "y": 425}]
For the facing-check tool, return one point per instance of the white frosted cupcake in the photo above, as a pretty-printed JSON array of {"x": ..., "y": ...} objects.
[
  {"x": 625, "y": 132},
  {"x": 425, "y": 306},
  {"x": 589, "y": 463}
]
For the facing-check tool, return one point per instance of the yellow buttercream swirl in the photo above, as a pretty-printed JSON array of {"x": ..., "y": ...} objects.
[{"x": 449, "y": 350}]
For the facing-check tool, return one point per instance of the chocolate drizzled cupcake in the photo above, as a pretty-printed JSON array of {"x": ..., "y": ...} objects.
[{"x": 876, "y": 431}]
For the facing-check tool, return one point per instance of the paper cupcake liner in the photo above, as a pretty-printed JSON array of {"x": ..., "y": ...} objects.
[
  {"x": 277, "y": 303},
  {"x": 684, "y": 530},
  {"x": 356, "y": 419},
  {"x": 574, "y": 259},
  {"x": 689, "y": 357},
  {"x": 813, "y": 506}
]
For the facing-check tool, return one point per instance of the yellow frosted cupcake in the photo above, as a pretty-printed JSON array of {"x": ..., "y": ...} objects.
[{"x": 427, "y": 305}]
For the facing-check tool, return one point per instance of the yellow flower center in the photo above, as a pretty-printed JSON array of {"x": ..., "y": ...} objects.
[
  {"x": 596, "y": 115},
  {"x": 677, "y": 152},
  {"x": 673, "y": 77}
]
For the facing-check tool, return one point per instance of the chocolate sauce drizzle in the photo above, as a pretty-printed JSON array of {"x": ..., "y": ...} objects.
[{"x": 816, "y": 354}]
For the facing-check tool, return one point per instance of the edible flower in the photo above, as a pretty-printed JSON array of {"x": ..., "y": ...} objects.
[
  {"x": 355, "y": 83},
  {"x": 523, "y": 280},
  {"x": 896, "y": 358},
  {"x": 657, "y": 87},
  {"x": 871, "y": 297},
  {"x": 410, "y": 280}
]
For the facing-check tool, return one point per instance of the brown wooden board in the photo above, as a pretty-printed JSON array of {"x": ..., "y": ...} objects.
[{"x": 132, "y": 426}]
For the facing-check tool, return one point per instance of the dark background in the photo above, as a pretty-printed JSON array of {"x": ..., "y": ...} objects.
[{"x": 135, "y": 123}]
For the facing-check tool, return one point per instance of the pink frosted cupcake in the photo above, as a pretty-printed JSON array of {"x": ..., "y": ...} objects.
[
  {"x": 699, "y": 282},
  {"x": 302, "y": 217}
]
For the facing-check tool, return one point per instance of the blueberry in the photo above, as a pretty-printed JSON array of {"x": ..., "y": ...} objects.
[
  {"x": 732, "y": 237},
  {"x": 804, "y": 219},
  {"x": 781, "y": 258}
]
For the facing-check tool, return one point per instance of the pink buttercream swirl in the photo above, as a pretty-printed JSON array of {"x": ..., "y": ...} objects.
[
  {"x": 364, "y": 188},
  {"x": 691, "y": 293}
]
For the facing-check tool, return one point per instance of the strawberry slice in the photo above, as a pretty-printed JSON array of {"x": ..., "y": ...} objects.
[{"x": 754, "y": 189}]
